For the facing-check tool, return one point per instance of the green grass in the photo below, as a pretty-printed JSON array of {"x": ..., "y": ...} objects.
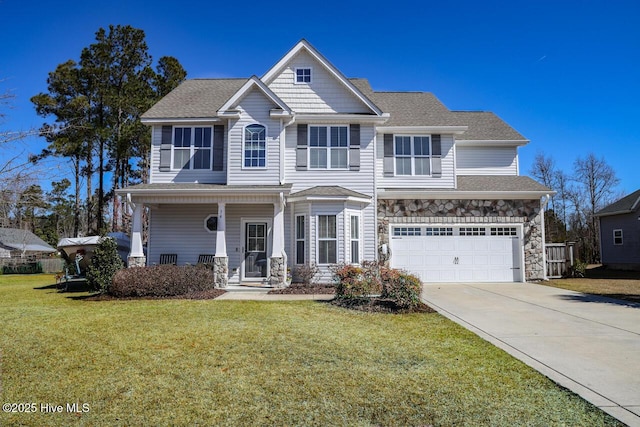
[{"x": 186, "y": 362}]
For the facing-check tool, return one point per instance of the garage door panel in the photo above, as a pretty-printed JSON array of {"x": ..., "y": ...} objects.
[{"x": 458, "y": 258}]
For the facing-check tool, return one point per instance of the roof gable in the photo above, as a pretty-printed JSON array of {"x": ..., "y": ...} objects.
[
  {"x": 253, "y": 82},
  {"x": 304, "y": 48}
]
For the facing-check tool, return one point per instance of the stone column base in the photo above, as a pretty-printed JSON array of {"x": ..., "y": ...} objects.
[
  {"x": 136, "y": 261},
  {"x": 221, "y": 271},
  {"x": 278, "y": 276}
]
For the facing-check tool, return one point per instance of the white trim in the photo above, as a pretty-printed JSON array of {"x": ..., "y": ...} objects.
[
  {"x": 323, "y": 118},
  {"x": 329, "y": 199},
  {"x": 413, "y": 130},
  {"x": 492, "y": 143},
  {"x": 457, "y": 194},
  {"x": 328, "y": 148},
  {"x": 253, "y": 81},
  {"x": 412, "y": 156},
  {"x": 317, "y": 238},
  {"x": 621, "y": 237},
  {"x": 195, "y": 121},
  {"x": 295, "y": 76},
  {"x": 266, "y": 147},
  {"x": 296, "y": 240},
  {"x": 192, "y": 148}
]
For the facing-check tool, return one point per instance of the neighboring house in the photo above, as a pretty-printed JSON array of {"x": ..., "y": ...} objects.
[
  {"x": 304, "y": 165},
  {"x": 620, "y": 233},
  {"x": 16, "y": 243}
]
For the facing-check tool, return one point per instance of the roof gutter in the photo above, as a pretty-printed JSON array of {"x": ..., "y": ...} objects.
[{"x": 457, "y": 194}]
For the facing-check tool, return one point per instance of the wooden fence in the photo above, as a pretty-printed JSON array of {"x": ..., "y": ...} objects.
[
  {"x": 560, "y": 258},
  {"x": 49, "y": 265}
]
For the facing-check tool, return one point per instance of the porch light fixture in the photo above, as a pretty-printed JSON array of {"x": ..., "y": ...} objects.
[{"x": 211, "y": 223}]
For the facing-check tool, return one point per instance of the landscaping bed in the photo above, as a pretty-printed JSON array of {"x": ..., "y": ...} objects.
[{"x": 302, "y": 289}]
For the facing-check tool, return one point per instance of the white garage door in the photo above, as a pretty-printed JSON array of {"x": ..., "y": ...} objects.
[{"x": 458, "y": 254}]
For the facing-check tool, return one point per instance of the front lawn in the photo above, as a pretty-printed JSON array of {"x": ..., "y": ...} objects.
[
  {"x": 624, "y": 285},
  {"x": 208, "y": 362}
]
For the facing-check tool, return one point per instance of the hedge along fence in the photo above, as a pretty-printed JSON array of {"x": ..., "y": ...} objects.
[
  {"x": 374, "y": 281},
  {"x": 161, "y": 281}
]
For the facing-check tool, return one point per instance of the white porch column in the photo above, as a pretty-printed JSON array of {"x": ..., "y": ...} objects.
[
  {"x": 136, "y": 255},
  {"x": 221, "y": 235},
  {"x": 277, "y": 246}
]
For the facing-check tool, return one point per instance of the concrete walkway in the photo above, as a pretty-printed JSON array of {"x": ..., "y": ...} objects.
[
  {"x": 261, "y": 294},
  {"x": 588, "y": 344}
]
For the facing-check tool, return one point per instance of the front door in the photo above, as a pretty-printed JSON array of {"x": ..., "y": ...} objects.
[{"x": 255, "y": 255}]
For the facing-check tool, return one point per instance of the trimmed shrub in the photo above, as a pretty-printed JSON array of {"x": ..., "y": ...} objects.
[
  {"x": 355, "y": 282},
  {"x": 161, "y": 281},
  {"x": 402, "y": 288},
  {"x": 29, "y": 268},
  {"x": 104, "y": 264}
]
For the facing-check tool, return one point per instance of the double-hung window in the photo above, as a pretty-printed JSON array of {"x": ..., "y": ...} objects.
[
  {"x": 192, "y": 148},
  {"x": 355, "y": 239},
  {"x": 412, "y": 155},
  {"x": 617, "y": 237},
  {"x": 300, "y": 239},
  {"x": 255, "y": 146},
  {"x": 327, "y": 239},
  {"x": 328, "y": 147}
]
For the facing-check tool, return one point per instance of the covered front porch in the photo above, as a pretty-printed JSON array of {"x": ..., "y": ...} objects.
[{"x": 239, "y": 230}]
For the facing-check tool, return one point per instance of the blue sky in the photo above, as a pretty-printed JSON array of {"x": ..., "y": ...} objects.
[{"x": 565, "y": 74}]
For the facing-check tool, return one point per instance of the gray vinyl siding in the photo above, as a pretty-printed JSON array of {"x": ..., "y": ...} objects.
[
  {"x": 179, "y": 229},
  {"x": 325, "y": 94},
  {"x": 487, "y": 160},
  {"x": 629, "y": 251},
  {"x": 361, "y": 181},
  {"x": 255, "y": 110},
  {"x": 202, "y": 176},
  {"x": 447, "y": 180}
]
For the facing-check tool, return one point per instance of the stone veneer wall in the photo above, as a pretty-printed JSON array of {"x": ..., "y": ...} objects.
[
  {"x": 526, "y": 212},
  {"x": 136, "y": 261},
  {"x": 278, "y": 271},
  {"x": 220, "y": 271}
]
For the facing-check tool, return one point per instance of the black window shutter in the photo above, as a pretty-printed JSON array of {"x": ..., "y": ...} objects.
[
  {"x": 218, "y": 148},
  {"x": 301, "y": 148},
  {"x": 436, "y": 147},
  {"x": 165, "y": 149},
  {"x": 354, "y": 147},
  {"x": 388, "y": 154}
]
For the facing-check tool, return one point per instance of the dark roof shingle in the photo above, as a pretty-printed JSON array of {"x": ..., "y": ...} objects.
[{"x": 624, "y": 205}]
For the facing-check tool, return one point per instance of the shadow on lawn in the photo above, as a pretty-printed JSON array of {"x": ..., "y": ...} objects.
[
  {"x": 72, "y": 286},
  {"x": 632, "y": 301}
]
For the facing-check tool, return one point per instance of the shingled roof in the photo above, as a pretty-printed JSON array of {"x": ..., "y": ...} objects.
[
  {"x": 198, "y": 98},
  {"x": 202, "y": 98},
  {"x": 23, "y": 240},
  {"x": 625, "y": 205}
]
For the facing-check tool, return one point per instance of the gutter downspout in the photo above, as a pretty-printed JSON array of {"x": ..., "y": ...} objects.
[
  {"x": 543, "y": 203},
  {"x": 283, "y": 142}
]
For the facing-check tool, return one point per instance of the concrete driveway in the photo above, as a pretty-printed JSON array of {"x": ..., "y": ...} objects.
[{"x": 588, "y": 344}]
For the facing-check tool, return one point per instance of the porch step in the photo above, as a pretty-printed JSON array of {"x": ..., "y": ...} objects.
[{"x": 248, "y": 288}]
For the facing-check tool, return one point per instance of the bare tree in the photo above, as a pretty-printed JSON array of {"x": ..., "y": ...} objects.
[{"x": 597, "y": 181}]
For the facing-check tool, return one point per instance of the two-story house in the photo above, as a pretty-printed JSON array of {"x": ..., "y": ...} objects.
[{"x": 304, "y": 165}]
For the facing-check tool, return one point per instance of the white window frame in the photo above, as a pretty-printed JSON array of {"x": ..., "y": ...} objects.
[
  {"x": 244, "y": 141},
  {"x": 295, "y": 76},
  {"x": 328, "y": 148},
  {"x": 412, "y": 155},
  {"x": 355, "y": 239},
  {"x": 327, "y": 239},
  {"x": 620, "y": 236},
  {"x": 192, "y": 149},
  {"x": 299, "y": 239}
]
